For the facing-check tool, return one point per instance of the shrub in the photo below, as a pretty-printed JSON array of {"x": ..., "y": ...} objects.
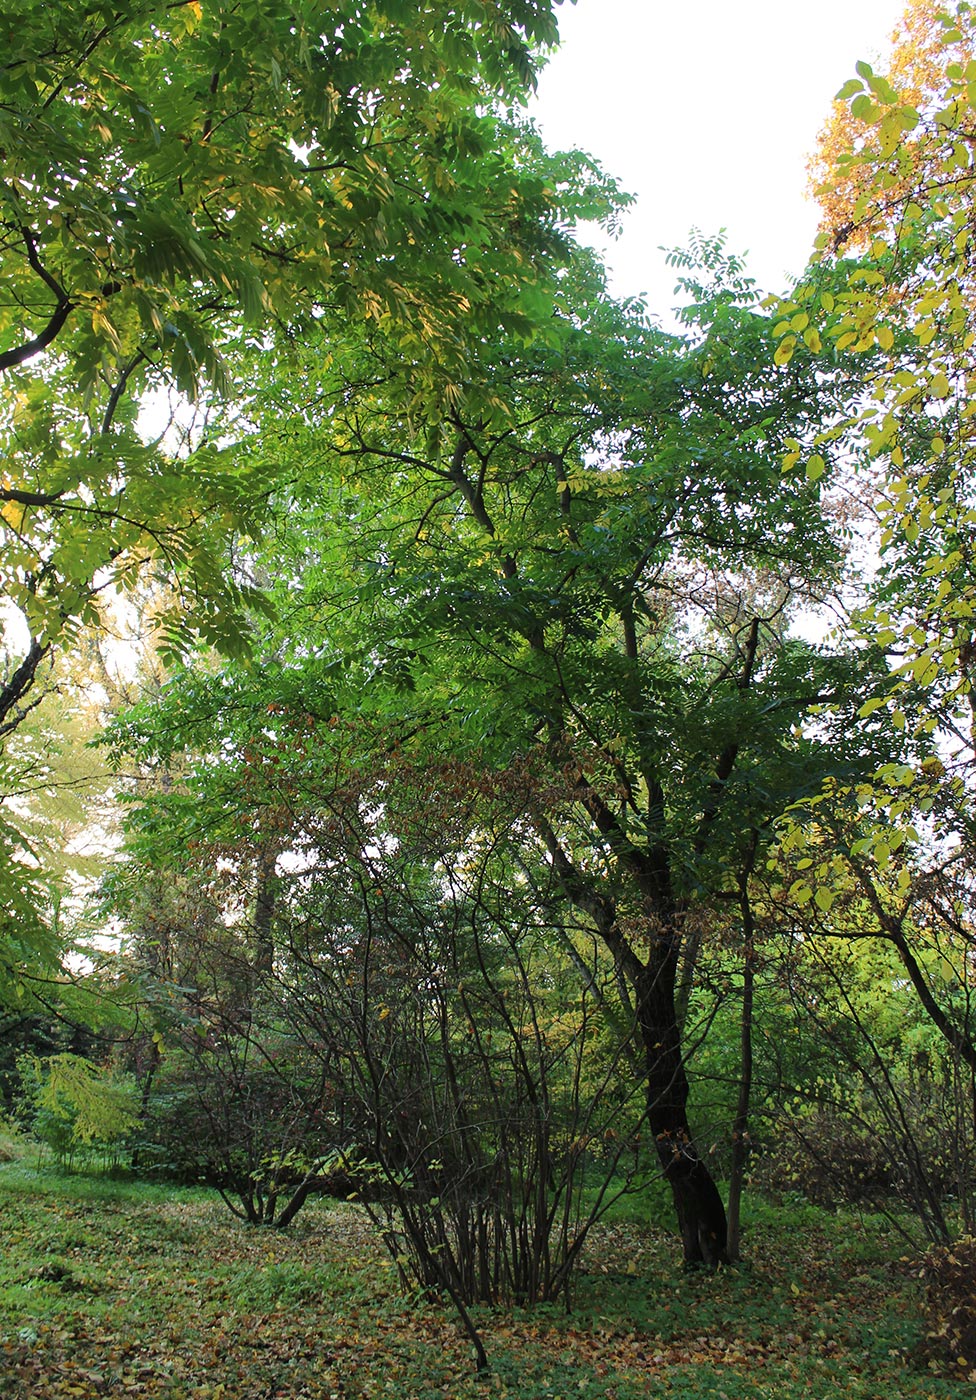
[
  {"x": 827, "y": 1159},
  {"x": 240, "y": 1110},
  {"x": 79, "y": 1108}
]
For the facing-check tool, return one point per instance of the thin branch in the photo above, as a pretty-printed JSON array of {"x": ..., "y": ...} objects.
[{"x": 64, "y": 307}]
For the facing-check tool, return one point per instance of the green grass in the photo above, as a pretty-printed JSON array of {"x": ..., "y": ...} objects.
[{"x": 115, "y": 1288}]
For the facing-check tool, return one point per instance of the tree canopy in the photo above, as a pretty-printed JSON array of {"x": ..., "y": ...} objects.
[
  {"x": 482, "y": 754},
  {"x": 212, "y": 177}
]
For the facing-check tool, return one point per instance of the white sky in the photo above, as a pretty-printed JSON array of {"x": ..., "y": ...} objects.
[{"x": 707, "y": 111}]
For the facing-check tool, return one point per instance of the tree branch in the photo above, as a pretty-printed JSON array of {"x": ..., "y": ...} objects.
[
  {"x": 20, "y": 353},
  {"x": 20, "y": 682}
]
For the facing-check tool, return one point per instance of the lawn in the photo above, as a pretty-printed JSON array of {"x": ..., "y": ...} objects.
[{"x": 117, "y": 1289}]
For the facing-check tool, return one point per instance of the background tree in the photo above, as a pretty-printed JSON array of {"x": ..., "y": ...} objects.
[
  {"x": 896, "y": 184},
  {"x": 896, "y": 167}
]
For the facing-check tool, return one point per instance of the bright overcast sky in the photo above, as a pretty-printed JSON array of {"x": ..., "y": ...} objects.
[{"x": 707, "y": 112}]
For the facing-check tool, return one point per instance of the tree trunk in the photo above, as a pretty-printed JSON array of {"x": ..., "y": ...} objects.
[
  {"x": 697, "y": 1202},
  {"x": 262, "y": 961},
  {"x": 740, "y": 1124},
  {"x": 699, "y": 1208}
]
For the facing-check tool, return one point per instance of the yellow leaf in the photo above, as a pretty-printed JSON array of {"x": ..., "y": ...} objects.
[
  {"x": 784, "y": 351},
  {"x": 13, "y": 512}
]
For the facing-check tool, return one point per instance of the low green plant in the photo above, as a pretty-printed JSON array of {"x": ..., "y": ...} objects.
[
  {"x": 289, "y": 1284},
  {"x": 79, "y": 1109}
]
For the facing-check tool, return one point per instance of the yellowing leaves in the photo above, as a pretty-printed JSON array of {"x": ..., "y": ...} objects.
[
  {"x": 13, "y": 513},
  {"x": 784, "y": 351}
]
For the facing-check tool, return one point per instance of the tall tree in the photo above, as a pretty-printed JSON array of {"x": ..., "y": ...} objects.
[
  {"x": 587, "y": 566},
  {"x": 183, "y": 186}
]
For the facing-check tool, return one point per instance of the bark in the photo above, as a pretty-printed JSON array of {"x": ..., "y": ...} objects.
[
  {"x": 13, "y": 691},
  {"x": 697, "y": 1202},
  {"x": 264, "y": 906},
  {"x": 740, "y": 1124}
]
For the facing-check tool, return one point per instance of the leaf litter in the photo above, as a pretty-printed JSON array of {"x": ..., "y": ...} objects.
[{"x": 171, "y": 1300}]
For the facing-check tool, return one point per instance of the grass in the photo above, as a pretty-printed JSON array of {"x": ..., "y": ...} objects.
[{"x": 118, "y": 1289}]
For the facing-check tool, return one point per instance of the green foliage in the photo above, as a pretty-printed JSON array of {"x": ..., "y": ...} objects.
[
  {"x": 899, "y": 189},
  {"x": 574, "y": 588},
  {"x": 191, "y": 195},
  {"x": 182, "y": 183},
  {"x": 79, "y": 1108},
  {"x": 244, "y": 1111}
]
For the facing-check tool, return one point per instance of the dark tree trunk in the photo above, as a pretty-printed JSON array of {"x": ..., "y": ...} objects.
[
  {"x": 697, "y": 1202},
  {"x": 262, "y": 962},
  {"x": 12, "y": 691}
]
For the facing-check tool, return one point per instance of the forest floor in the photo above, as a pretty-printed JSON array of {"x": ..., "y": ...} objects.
[{"x": 118, "y": 1290}]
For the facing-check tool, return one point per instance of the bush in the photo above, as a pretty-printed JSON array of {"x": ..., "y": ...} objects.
[
  {"x": 79, "y": 1109},
  {"x": 240, "y": 1111},
  {"x": 907, "y": 1141},
  {"x": 828, "y": 1160}
]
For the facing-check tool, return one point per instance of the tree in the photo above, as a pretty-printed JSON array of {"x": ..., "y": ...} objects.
[
  {"x": 179, "y": 183},
  {"x": 184, "y": 186},
  {"x": 587, "y": 565},
  {"x": 896, "y": 184}
]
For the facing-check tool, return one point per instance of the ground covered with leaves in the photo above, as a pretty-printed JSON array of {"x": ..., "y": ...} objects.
[{"x": 114, "y": 1290}]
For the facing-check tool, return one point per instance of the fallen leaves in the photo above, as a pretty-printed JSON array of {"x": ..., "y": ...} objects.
[{"x": 168, "y": 1299}]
